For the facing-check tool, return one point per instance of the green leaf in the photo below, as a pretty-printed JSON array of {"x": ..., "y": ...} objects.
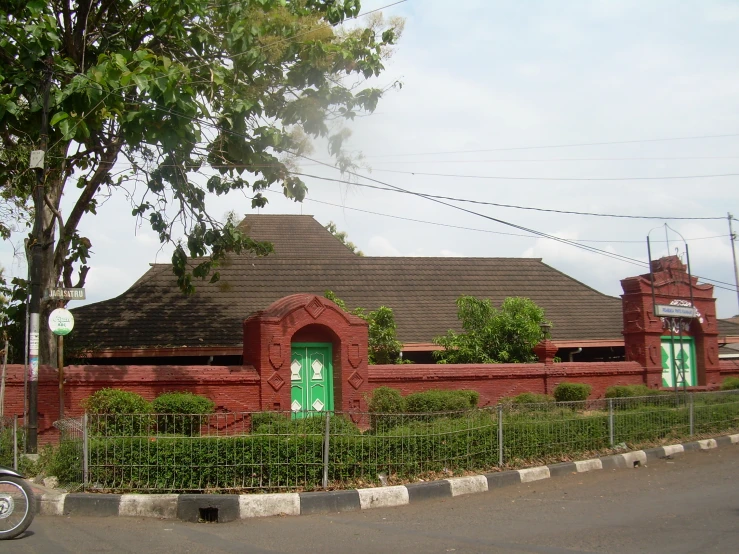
[{"x": 59, "y": 116}]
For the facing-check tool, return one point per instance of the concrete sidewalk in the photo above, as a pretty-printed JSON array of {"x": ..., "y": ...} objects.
[{"x": 229, "y": 507}]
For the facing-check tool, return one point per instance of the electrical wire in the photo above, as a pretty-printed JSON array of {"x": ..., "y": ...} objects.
[
  {"x": 393, "y": 188},
  {"x": 502, "y": 178},
  {"x": 572, "y": 145},
  {"x": 532, "y": 160},
  {"x": 585, "y": 247},
  {"x": 450, "y": 226}
]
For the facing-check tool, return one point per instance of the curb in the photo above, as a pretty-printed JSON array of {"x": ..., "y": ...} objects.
[{"x": 223, "y": 508}]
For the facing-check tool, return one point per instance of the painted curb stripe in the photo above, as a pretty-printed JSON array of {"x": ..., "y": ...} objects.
[
  {"x": 429, "y": 490},
  {"x": 329, "y": 502},
  {"x": 634, "y": 459},
  {"x": 588, "y": 465},
  {"x": 534, "y": 474},
  {"x": 468, "y": 485},
  {"x": 383, "y": 497},
  {"x": 81, "y": 504},
  {"x": 565, "y": 468},
  {"x": 673, "y": 449},
  {"x": 148, "y": 505},
  {"x": 264, "y": 505},
  {"x": 186, "y": 506},
  {"x": 51, "y": 504},
  {"x": 503, "y": 479}
]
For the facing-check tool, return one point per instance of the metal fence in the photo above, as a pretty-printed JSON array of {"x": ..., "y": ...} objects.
[
  {"x": 10, "y": 439},
  {"x": 276, "y": 451}
]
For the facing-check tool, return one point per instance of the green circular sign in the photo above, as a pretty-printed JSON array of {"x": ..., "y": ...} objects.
[{"x": 61, "y": 321}]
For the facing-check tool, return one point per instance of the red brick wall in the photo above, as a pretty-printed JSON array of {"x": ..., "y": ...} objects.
[
  {"x": 233, "y": 389},
  {"x": 236, "y": 389},
  {"x": 496, "y": 381}
]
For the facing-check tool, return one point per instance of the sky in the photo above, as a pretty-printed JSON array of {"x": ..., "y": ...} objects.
[{"x": 611, "y": 107}]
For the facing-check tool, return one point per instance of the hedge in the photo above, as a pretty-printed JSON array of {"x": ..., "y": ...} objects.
[
  {"x": 181, "y": 413},
  {"x": 287, "y": 454},
  {"x": 572, "y": 392}
]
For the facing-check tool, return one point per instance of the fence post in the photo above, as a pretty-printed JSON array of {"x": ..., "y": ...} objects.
[
  {"x": 500, "y": 435},
  {"x": 325, "y": 450},
  {"x": 15, "y": 443},
  {"x": 692, "y": 416},
  {"x": 85, "y": 452},
  {"x": 611, "y": 423}
]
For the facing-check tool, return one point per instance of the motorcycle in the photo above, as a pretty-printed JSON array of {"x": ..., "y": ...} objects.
[{"x": 17, "y": 505}]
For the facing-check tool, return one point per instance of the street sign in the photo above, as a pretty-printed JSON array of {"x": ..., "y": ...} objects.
[
  {"x": 61, "y": 321},
  {"x": 64, "y": 294},
  {"x": 666, "y": 310}
]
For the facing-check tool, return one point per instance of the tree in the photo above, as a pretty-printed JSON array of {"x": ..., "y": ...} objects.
[
  {"x": 344, "y": 238},
  {"x": 145, "y": 95},
  {"x": 383, "y": 344},
  {"x": 13, "y": 316},
  {"x": 493, "y": 336}
]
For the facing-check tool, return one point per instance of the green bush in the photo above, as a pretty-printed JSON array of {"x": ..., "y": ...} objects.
[
  {"x": 314, "y": 425},
  {"x": 6, "y": 447},
  {"x": 413, "y": 449},
  {"x": 528, "y": 398},
  {"x": 441, "y": 401},
  {"x": 630, "y": 391},
  {"x": 386, "y": 400},
  {"x": 118, "y": 412},
  {"x": 730, "y": 383},
  {"x": 181, "y": 413},
  {"x": 572, "y": 392}
]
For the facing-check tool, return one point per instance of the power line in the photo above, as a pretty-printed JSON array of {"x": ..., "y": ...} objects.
[
  {"x": 502, "y": 178},
  {"x": 572, "y": 145},
  {"x": 592, "y": 249},
  {"x": 393, "y": 188},
  {"x": 450, "y": 226},
  {"x": 527, "y": 160}
]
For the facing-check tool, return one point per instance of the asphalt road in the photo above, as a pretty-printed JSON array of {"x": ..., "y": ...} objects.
[{"x": 687, "y": 504}]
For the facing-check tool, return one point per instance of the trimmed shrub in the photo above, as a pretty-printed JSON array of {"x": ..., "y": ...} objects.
[
  {"x": 118, "y": 412},
  {"x": 441, "y": 401},
  {"x": 294, "y": 461},
  {"x": 181, "y": 413},
  {"x": 730, "y": 383},
  {"x": 572, "y": 392},
  {"x": 630, "y": 391},
  {"x": 312, "y": 425},
  {"x": 386, "y": 400},
  {"x": 528, "y": 398}
]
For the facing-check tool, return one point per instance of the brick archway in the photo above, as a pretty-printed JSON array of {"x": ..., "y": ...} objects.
[
  {"x": 269, "y": 334},
  {"x": 643, "y": 330}
]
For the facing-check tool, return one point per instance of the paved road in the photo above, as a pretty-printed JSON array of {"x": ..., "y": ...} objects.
[{"x": 688, "y": 504}]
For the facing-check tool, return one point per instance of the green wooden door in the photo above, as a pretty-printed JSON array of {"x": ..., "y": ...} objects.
[
  {"x": 311, "y": 378},
  {"x": 678, "y": 362}
]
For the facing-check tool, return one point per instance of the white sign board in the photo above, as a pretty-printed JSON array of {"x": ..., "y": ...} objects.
[
  {"x": 665, "y": 310},
  {"x": 61, "y": 321}
]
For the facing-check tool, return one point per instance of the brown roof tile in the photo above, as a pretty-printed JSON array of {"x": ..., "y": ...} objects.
[{"x": 421, "y": 292}]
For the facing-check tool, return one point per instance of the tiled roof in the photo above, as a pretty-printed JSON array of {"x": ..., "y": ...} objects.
[
  {"x": 421, "y": 292},
  {"x": 294, "y": 236},
  {"x": 728, "y": 327}
]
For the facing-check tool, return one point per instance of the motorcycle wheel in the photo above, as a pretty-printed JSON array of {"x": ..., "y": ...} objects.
[{"x": 17, "y": 506}]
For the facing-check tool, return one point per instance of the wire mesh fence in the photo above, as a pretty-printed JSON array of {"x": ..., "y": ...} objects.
[{"x": 276, "y": 451}]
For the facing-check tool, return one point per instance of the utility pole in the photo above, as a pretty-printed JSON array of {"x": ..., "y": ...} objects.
[
  {"x": 38, "y": 162},
  {"x": 733, "y": 253}
]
